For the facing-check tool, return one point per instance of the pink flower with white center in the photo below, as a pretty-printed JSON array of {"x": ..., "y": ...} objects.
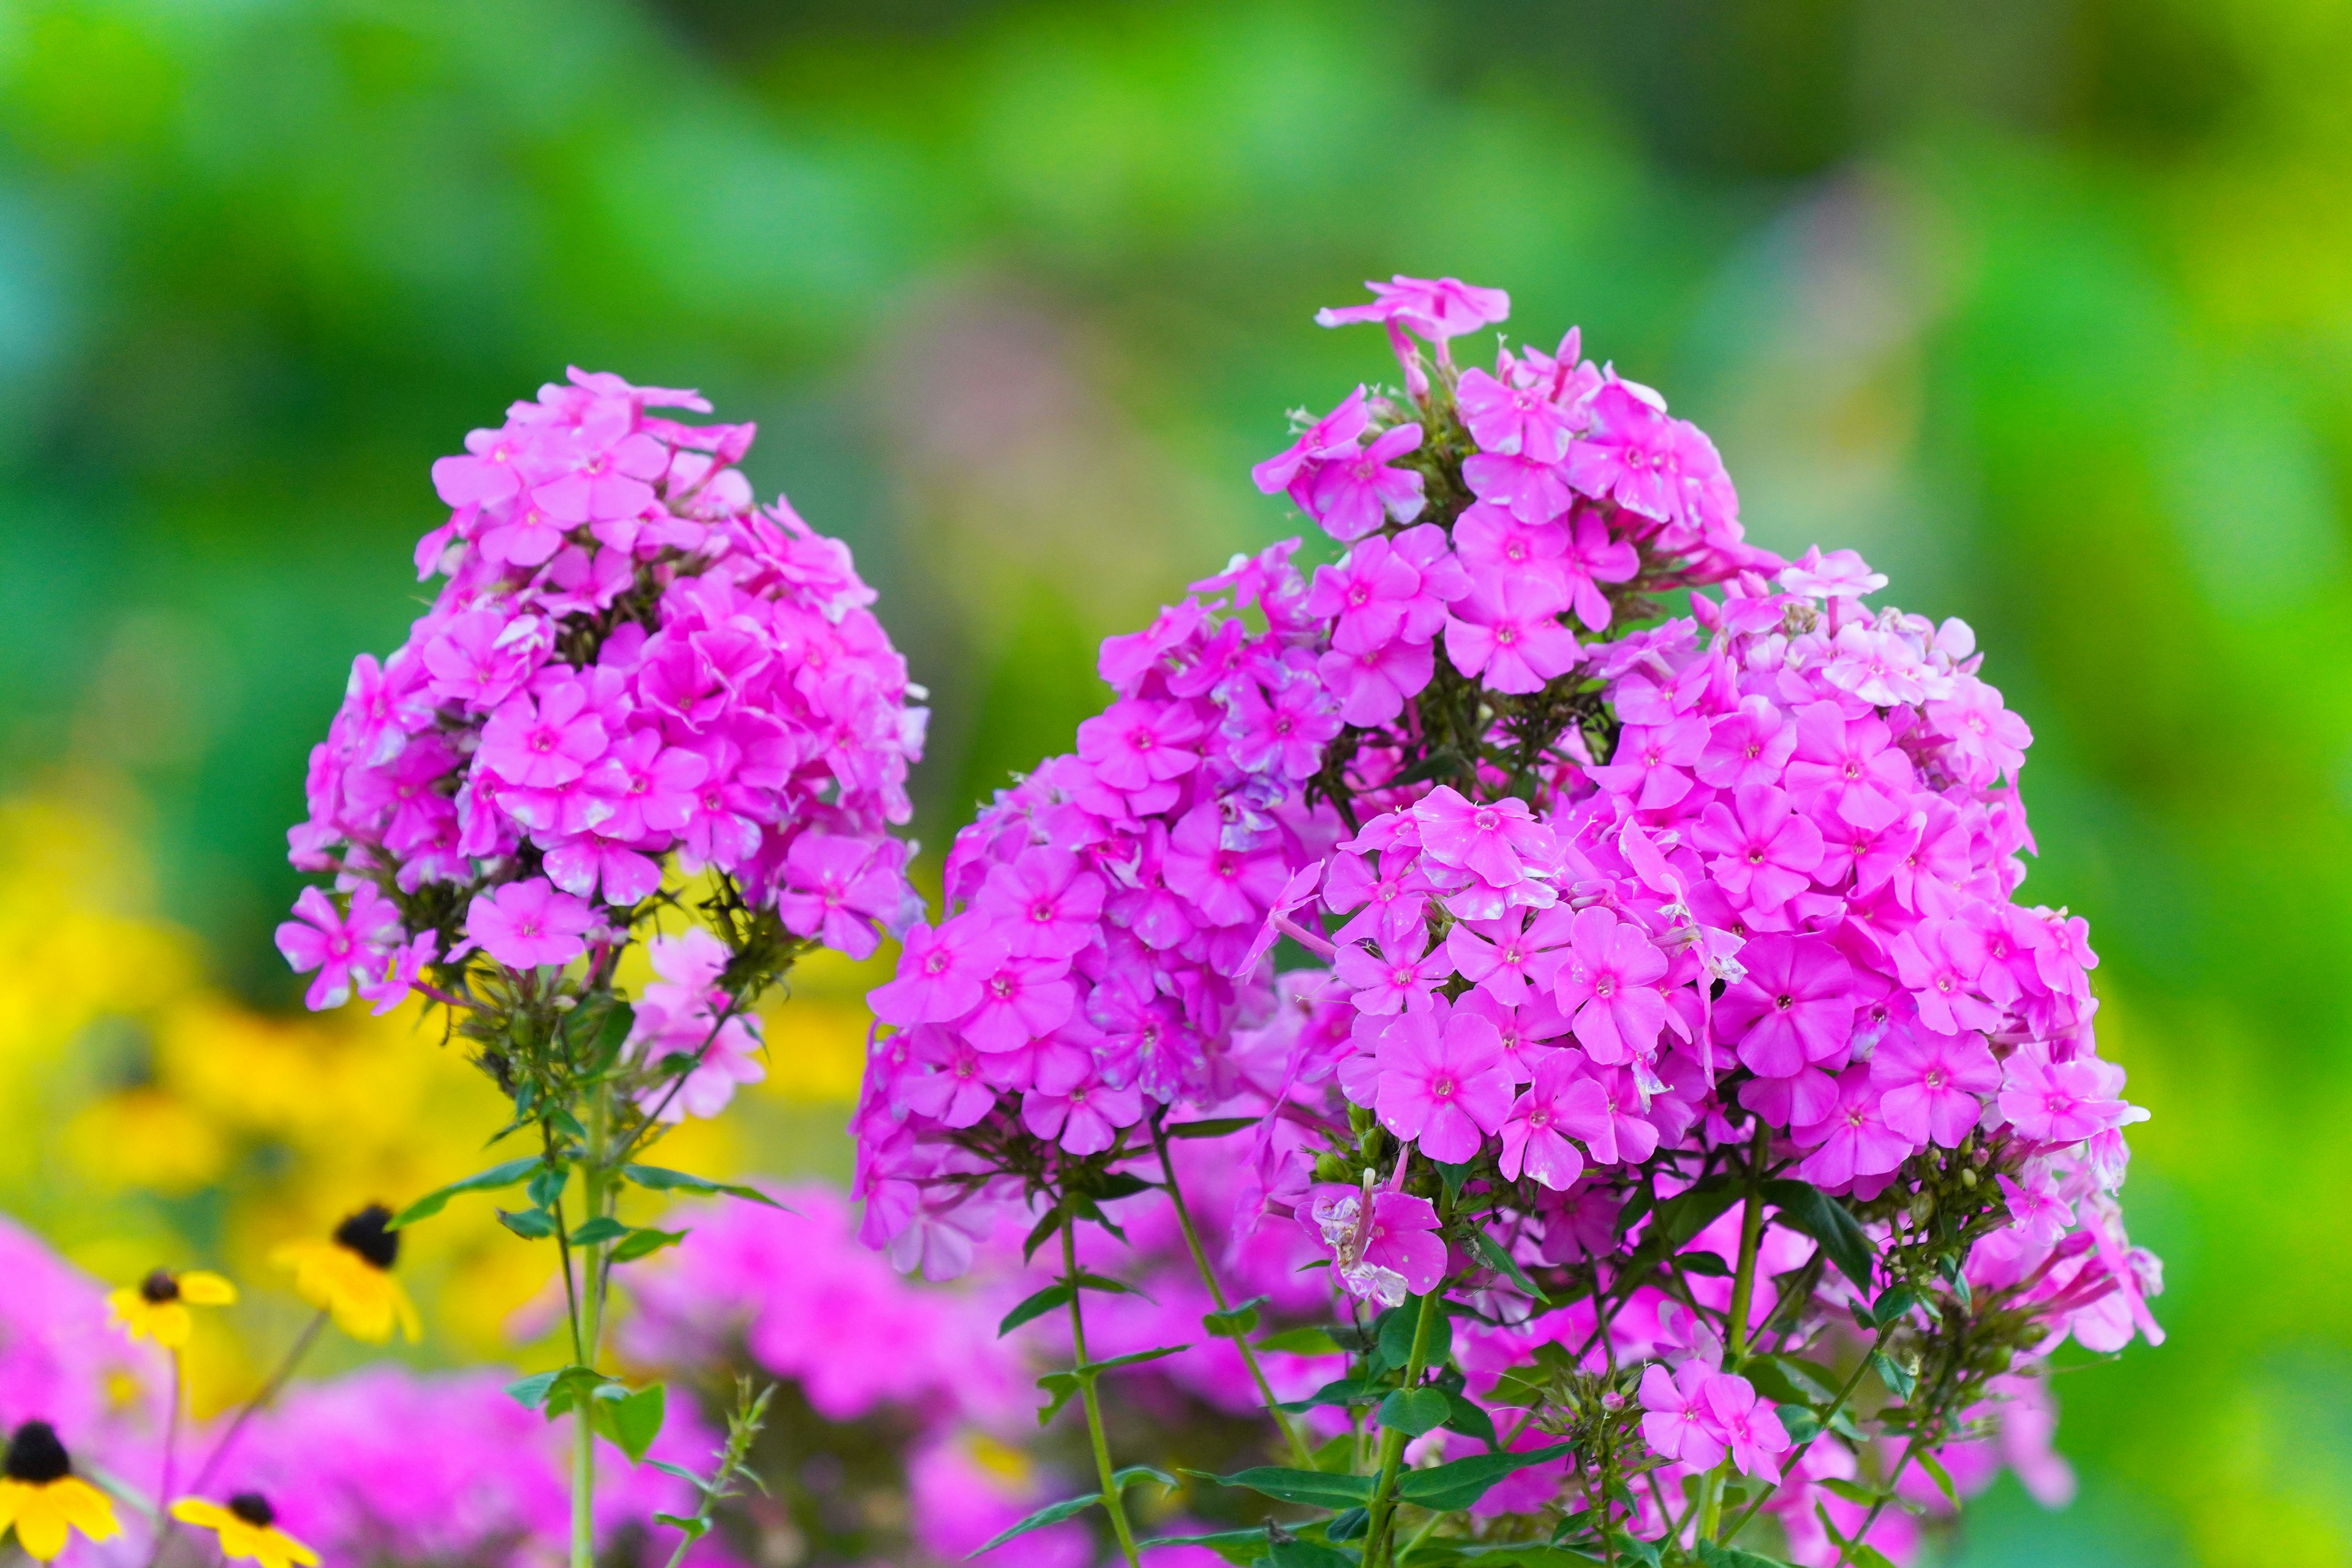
[
  {"x": 1443, "y": 1083},
  {"x": 1492, "y": 543},
  {"x": 1535, "y": 491},
  {"x": 1596, "y": 557},
  {"x": 679, "y": 1021},
  {"x": 1752, "y": 1432},
  {"x": 1073, "y": 1106},
  {"x": 526, "y": 924},
  {"x": 1020, "y": 1000},
  {"x": 1939, "y": 960},
  {"x": 1494, "y": 840},
  {"x": 1877, "y": 667},
  {"x": 339, "y": 945},
  {"x": 1608, "y": 986},
  {"x": 1747, "y": 748},
  {"x": 1372, "y": 688},
  {"x": 1394, "y": 901},
  {"x": 1495, "y": 955},
  {"x": 1761, "y": 852},
  {"x": 1522, "y": 421},
  {"x": 607, "y": 483},
  {"x": 1853, "y": 1140},
  {"x": 1871, "y": 855},
  {"x": 1651, "y": 760},
  {"x": 400, "y": 796},
  {"x": 838, "y": 889},
  {"x": 723, "y": 828},
  {"x": 1374, "y": 596},
  {"x": 1938, "y": 858},
  {"x": 2036, "y": 1208},
  {"x": 642, "y": 787},
  {"x": 1354, "y": 492},
  {"x": 525, "y": 535},
  {"x": 1932, "y": 1086},
  {"x": 1562, "y": 1103},
  {"x": 1383, "y": 1244},
  {"x": 1284, "y": 734},
  {"x": 1982, "y": 729},
  {"x": 955, "y": 1092},
  {"x": 1850, "y": 766},
  {"x": 1618, "y": 1130},
  {"x": 940, "y": 971},
  {"x": 479, "y": 658},
  {"x": 1679, "y": 1423},
  {"x": 1839, "y": 575},
  {"x": 1437, "y": 310},
  {"x": 1045, "y": 904},
  {"x": 1228, "y": 887},
  {"x": 544, "y": 740},
  {"x": 1794, "y": 1006},
  {"x": 390, "y": 988},
  {"x": 1333, "y": 436},
  {"x": 485, "y": 476},
  {"x": 1507, "y": 634},
  {"x": 1380, "y": 985},
  {"x": 2058, "y": 1102},
  {"x": 1637, "y": 456},
  {"x": 1135, "y": 745}
]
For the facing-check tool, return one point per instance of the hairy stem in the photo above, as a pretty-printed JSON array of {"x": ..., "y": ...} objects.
[
  {"x": 1299, "y": 1453},
  {"x": 1382, "y": 1508},
  {"x": 1113, "y": 1504}
]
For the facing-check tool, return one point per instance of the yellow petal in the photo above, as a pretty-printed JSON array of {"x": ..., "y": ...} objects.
[
  {"x": 12, "y": 1497},
  {"x": 198, "y": 1512},
  {"x": 294, "y": 1551},
  {"x": 169, "y": 1324},
  {"x": 205, "y": 1289},
  {"x": 85, "y": 1507},
  {"x": 40, "y": 1523},
  {"x": 406, "y": 1310}
]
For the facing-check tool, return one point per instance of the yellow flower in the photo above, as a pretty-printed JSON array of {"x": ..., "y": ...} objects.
[
  {"x": 350, "y": 1276},
  {"x": 157, "y": 1307},
  {"x": 41, "y": 1496},
  {"x": 248, "y": 1527}
]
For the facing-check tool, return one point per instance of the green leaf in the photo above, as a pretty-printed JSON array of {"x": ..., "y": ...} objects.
[
  {"x": 1937, "y": 1473},
  {"x": 1216, "y": 1126},
  {"x": 1470, "y": 1420},
  {"x": 612, "y": 1033},
  {"x": 1338, "y": 1391},
  {"x": 1807, "y": 1208},
  {"x": 1898, "y": 1382},
  {"x": 1463, "y": 1482},
  {"x": 1286, "y": 1550},
  {"x": 1785, "y": 1380},
  {"x": 1853, "y": 1492},
  {"x": 555, "y": 1393},
  {"x": 598, "y": 1231},
  {"x": 1234, "y": 1322},
  {"x": 1301, "y": 1342},
  {"x": 1800, "y": 1423},
  {"x": 1397, "y": 1326},
  {"x": 653, "y": 1178},
  {"x": 1891, "y": 1305},
  {"x": 1717, "y": 1556},
  {"x": 1241, "y": 1547},
  {"x": 1034, "y": 1306},
  {"x": 643, "y": 1242},
  {"x": 631, "y": 1422},
  {"x": 1051, "y": 1513},
  {"x": 1415, "y": 1410},
  {"x": 1453, "y": 1176},
  {"x": 433, "y": 1203},
  {"x": 1312, "y": 1487},
  {"x": 695, "y": 1528},
  {"x": 1499, "y": 1258},
  {"x": 1705, "y": 1264},
  {"x": 545, "y": 1188},
  {"x": 1064, "y": 1385},
  {"x": 531, "y": 1225},
  {"x": 1687, "y": 1214},
  {"x": 1041, "y": 1233}
]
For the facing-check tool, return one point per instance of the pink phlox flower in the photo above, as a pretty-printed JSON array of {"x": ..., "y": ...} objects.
[
  {"x": 1073, "y": 1106},
  {"x": 1374, "y": 596},
  {"x": 1227, "y": 886},
  {"x": 1296, "y": 893},
  {"x": 1939, "y": 961},
  {"x": 1853, "y": 1140},
  {"x": 2138, "y": 1274},
  {"x": 1535, "y": 491},
  {"x": 402, "y": 967},
  {"x": 527, "y": 923},
  {"x": 525, "y": 534},
  {"x": 1679, "y": 1423},
  {"x": 1393, "y": 902},
  {"x": 1525, "y": 1030},
  {"x": 1436, "y": 310},
  {"x": 1020, "y": 1000},
  {"x": 838, "y": 889},
  {"x": 642, "y": 787},
  {"x": 1609, "y": 987},
  {"x": 1383, "y": 1244},
  {"x": 1596, "y": 557},
  {"x": 606, "y": 482},
  {"x": 1839, "y": 575},
  {"x": 2060, "y": 1101},
  {"x": 485, "y": 475},
  {"x": 1443, "y": 1082},
  {"x": 1747, "y": 748},
  {"x": 1634, "y": 455},
  {"x": 1794, "y": 1006},
  {"x": 576, "y": 582},
  {"x": 544, "y": 739},
  {"x": 1850, "y": 765},
  {"x": 1380, "y": 983},
  {"x": 1136, "y": 745},
  {"x": 1354, "y": 492},
  {"x": 1283, "y": 733},
  {"x": 1871, "y": 855},
  {"x": 1519, "y": 420},
  {"x": 1617, "y": 1129},
  {"x": 1371, "y": 688},
  {"x": 1752, "y": 1432},
  {"x": 1650, "y": 766},
  {"x": 1501, "y": 955},
  {"x": 1045, "y": 903},
  {"x": 955, "y": 1091},
  {"x": 399, "y": 795},
  {"x": 1761, "y": 852},
  {"x": 342, "y": 945},
  {"x": 1983, "y": 732},
  {"x": 1334, "y": 435},
  {"x": 722, "y": 825},
  {"x": 1940, "y": 858},
  {"x": 1932, "y": 1086},
  {"x": 585, "y": 862},
  {"x": 2036, "y": 1209},
  {"x": 1492, "y": 543},
  {"x": 480, "y": 657},
  {"x": 1500, "y": 842},
  {"x": 1561, "y": 1103},
  {"x": 1507, "y": 634},
  {"x": 1876, "y": 666}
]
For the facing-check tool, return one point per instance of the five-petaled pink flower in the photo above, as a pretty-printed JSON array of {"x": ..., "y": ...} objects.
[
  {"x": 1443, "y": 1082},
  {"x": 525, "y": 924}
]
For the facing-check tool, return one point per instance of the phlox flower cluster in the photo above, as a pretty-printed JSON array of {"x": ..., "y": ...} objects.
[
  {"x": 628, "y": 663},
  {"x": 1655, "y": 988}
]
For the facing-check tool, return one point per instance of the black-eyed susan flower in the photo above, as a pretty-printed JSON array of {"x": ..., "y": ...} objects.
[
  {"x": 41, "y": 1496},
  {"x": 248, "y": 1527},
  {"x": 350, "y": 1276},
  {"x": 157, "y": 1307}
]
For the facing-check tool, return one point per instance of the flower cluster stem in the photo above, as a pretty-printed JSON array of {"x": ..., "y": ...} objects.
[
  {"x": 1382, "y": 1508},
  {"x": 1113, "y": 1504},
  {"x": 588, "y": 1327}
]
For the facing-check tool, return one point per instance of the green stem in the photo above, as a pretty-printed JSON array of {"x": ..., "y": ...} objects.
[
  {"x": 588, "y": 1324},
  {"x": 1382, "y": 1509},
  {"x": 1751, "y": 1235},
  {"x": 1299, "y": 1453},
  {"x": 1878, "y": 1505},
  {"x": 1113, "y": 1504},
  {"x": 294, "y": 1354}
]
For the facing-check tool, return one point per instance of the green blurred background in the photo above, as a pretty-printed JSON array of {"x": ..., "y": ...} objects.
[{"x": 2045, "y": 305}]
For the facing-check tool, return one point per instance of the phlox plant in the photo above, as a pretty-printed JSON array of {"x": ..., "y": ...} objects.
[
  {"x": 1600, "y": 940},
  {"x": 641, "y": 711}
]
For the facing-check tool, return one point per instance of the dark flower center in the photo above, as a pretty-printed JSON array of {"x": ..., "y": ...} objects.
[
  {"x": 367, "y": 1233},
  {"x": 34, "y": 1455},
  {"x": 254, "y": 1508},
  {"x": 160, "y": 1287}
]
